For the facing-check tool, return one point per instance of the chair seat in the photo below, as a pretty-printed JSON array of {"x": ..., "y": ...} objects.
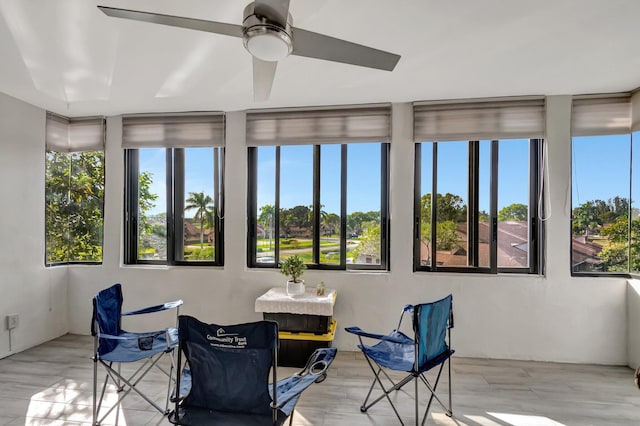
[
  {"x": 392, "y": 355},
  {"x": 133, "y": 346},
  {"x": 204, "y": 417}
]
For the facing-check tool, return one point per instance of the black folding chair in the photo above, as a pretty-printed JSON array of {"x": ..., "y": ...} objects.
[{"x": 225, "y": 379}]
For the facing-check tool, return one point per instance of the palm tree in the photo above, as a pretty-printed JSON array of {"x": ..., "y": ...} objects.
[
  {"x": 266, "y": 218},
  {"x": 202, "y": 203}
]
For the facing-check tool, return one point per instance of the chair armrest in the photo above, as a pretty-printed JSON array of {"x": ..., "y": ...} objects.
[
  {"x": 315, "y": 371},
  {"x": 393, "y": 338},
  {"x": 156, "y": 308}
]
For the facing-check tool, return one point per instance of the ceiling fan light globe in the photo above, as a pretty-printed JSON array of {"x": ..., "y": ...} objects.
[{"x": 268, "y": 45}]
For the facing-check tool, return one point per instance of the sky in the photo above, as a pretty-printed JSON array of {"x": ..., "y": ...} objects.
[
  {"x": 599, "y": 171},
  {"x": 600, "y": 168},
  {"x": 198, "y": 173},
  {"x": 296, "y": 176},
  {"x": 513, "y": 171}
]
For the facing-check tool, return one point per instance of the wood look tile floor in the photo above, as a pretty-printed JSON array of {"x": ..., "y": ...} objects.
[{"x": 51, "y": 384}]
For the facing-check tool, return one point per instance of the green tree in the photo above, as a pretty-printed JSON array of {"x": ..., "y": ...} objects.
[
  {"x": 146, "y": 202},
  {"x": 369, "y": 242},
  {"x": 357, "y": 221},
  {"x": 621, "y": 253},
  {"x": 450, "y": 207},
  {"x": 295, "y": 217},
  {"x": 332, "y": 223},
  {"x": 266, "y": 218},
  {"x": 517, "y": 212},
  {"x": 451, "y": 211},
  {"x": 202, "y": 204},
  {"x": 591, "y": 216},
  {"x": 586, "y": 219},
  {"x": 74, "y": 203},
  {"x": 323, "y": 215}
]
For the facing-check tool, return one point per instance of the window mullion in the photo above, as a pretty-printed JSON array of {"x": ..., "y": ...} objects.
[
  {"x": 170, "y": 184},
  {"x": 493, "y": 252},
  {"x": 276, "y": 221},
  {"x": 434, "y": 206},
  {"x": 472, "y": 208},
  {"x": 343, "y": 205},
  {"x": 417, "y": 206},
  {"x": 384, "y": 207},
  {"x": 252, "y": 206},
  {"x": 216, "y": 204},
  {"x": 315, "y": 251},
  {"x": 131, "y": 206}
]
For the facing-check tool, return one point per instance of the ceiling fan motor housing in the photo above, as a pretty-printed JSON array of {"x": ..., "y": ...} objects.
[{"x": 264, "y": 38}]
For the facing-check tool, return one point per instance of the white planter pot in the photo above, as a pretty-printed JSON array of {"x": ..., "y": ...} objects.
[{"x": 294, "y": 288}]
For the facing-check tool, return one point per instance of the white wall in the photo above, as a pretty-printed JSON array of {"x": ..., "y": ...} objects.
[
  {"x": 37, "y": 294},
  {"x": 553, "y": 317},
  {"x": 633, "y": 323}
]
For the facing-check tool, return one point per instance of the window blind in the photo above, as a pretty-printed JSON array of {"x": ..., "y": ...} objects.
[
  {"x": 474, "y": 120},
  {"x": 594, "y": 116},
  {"x": 173, "y": 131},
  {"x": 635, "y": 111},
  {"x": 319, "y": 126},
  {"x": 74, "y": 134}
]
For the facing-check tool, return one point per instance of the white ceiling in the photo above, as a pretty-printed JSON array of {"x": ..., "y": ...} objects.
[{"x": 68, "y": 57}]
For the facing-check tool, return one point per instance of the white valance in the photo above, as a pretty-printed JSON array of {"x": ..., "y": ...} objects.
[
  {"x": 481, "y": 119},
  {"x": 74, "y": 134},
  {"x": 319, "y": 126},
  {"x": 635, "y": 111},
  {"x": 173, "y": 131},
  {"x": 601, "y": 115}
]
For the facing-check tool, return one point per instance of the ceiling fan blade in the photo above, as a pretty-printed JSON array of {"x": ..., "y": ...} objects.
[
  {"x": 263, "y": 74},
  {"x": 320, "y": 46},
  {"x": 174, "y": 21},
  {"x": 275, "y": 10}
]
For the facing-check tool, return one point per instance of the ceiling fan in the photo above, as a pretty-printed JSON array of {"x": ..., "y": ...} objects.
[{"x": 268, "y": 33}]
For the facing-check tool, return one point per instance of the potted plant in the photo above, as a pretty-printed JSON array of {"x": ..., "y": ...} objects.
[{"x": 293, "y": 267}]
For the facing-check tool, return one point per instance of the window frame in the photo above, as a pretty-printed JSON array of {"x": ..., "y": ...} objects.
[
  {"x": 629, "y": 273},
  {"x": 174, "y": 185},
  {"x": 252, "y": 220},
  {"x": 69, "y": 155},
  {"x": 536, "y": 205}
]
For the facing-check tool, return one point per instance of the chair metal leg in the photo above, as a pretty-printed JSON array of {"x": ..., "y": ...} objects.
[
  {"x": 95, "y": 390},
  {"x": 129, "y": 385},
  {"x": 415, "y": 380},
  {"x": 166, "y": 406},
  {"x": 450, "y": 413},
  {"x": 385, "y": 392},
  {"x": 433, "y": 395}
]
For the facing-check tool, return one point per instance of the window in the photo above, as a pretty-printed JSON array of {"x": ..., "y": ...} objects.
[
  {"x": 604, "y": 189},
  {"x": 174, "y": 208},
  {"x": 74, "y": 190},
  {"x": 318, "y": 185},
  {"x": 487, "y": 190}
]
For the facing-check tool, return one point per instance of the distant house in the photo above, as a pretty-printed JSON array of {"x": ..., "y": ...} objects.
[
  {"x": 513, "y": 246},
  {"x": 586, "y": 255},
  {"x": 192, "y": 233}
]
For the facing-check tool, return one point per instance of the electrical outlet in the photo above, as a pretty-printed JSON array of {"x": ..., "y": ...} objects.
[{"x": 12, "y": 321}]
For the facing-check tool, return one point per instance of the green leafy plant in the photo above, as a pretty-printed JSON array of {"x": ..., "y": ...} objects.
[{"x": 293, "y": 266}]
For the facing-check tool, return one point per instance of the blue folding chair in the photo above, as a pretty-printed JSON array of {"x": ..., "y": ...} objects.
[
  {"x": 429, "y": 347},
  {"x": 113, "y": 346},
  {"x": 225, "y": 379}
]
